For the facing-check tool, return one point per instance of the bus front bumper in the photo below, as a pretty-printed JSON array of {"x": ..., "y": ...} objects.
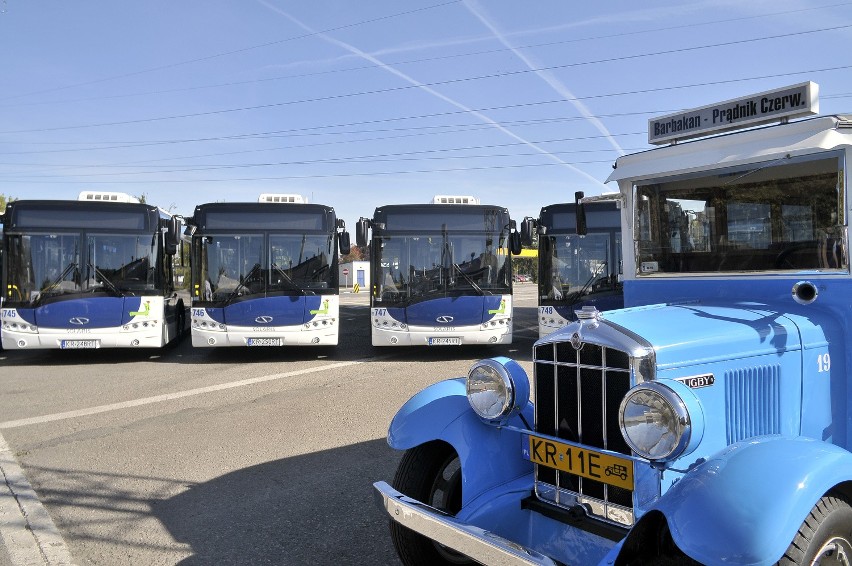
[
  {"x": 326, "y": 335},
  {"x": 480, "y": 545},
  {"x": 60, "y": 340},
  {"x": 501, "y": 333}
]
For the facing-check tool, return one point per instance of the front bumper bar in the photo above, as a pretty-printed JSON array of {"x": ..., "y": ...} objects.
[{"x": 480, "y": 545}]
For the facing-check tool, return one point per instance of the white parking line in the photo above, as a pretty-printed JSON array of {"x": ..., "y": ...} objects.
[
  {"x": 177, "y": 395},
  {"x": 27, "y": 531}
]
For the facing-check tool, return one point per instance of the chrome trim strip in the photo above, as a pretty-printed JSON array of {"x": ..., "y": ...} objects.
[
  {"x": 604, "y": 415},
  {"x": 555, "y": 431},
  {"x": 579, "y": 428},
  {"x": 604, "y": 333},
  {"x": 479, "y": 544}
]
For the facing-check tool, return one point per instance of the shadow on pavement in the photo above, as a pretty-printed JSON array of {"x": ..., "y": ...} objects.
[{"x": 317, "y": 508}]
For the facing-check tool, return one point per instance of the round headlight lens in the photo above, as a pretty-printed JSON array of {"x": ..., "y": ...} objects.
[
  {"x": 654, "y": 421},
  {"x": 490, "y": 390}
]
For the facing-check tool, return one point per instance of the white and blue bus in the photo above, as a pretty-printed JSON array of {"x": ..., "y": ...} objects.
[
  {"x": 576, "y": 270},
  {"x": 265, "y": 273},
  {"x": 441, "y": 273},
  {"x": 92, "y": 273}
]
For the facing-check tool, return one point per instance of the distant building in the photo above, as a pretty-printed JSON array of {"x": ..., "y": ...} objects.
[{"x": 355, "y": 272}]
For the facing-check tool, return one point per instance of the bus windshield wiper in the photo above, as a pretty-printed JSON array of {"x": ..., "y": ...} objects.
[
  {"x": 413, "y": 296},
  {"x": 106, "y": 281},
  {"x": 469, "y": 280},
  {"x": 62, "y": 275},
  {"x": 242, "y": 284},
  {"x": 577, "y": 294},
  {"x": 53, "y": 284},
  {"x": 289, "y": 280}
]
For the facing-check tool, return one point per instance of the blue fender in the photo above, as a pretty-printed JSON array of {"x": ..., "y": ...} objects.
[
  {"x": 745, "y": 504},
  {"x": 490, "y": 455}
]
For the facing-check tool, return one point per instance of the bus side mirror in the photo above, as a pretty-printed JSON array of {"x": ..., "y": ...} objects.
[
  {"x": 514, "y": 239},
  {"x": 343, "y": 243},
  {"x": 528, "y": 224},
  {"x": 361, "y": 232},
  {"x": 581, "y": 214},
  {"x": 515, "y": 243},
  {"x": 172, "y": 235}
]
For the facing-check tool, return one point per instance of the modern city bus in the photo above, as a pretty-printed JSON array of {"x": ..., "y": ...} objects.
[
  {"x": 265, "y": 273},
  {"x": 575, "y": 271},
  {"x": 92, "y": 273},
  {"x": 441, "y": 273}
]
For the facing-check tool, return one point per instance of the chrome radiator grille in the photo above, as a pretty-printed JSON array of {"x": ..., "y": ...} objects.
[{"x": 577, "y": 395}]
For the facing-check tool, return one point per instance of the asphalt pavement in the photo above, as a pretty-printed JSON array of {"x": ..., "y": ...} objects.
[{"x": 213, "y": 456}]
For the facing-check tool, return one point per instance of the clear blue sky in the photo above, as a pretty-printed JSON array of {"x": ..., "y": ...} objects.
[{"x": 356, "y": 104}]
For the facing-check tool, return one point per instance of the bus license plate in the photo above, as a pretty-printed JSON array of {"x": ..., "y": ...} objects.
[
  {"x": 264, "y": 341},
  {"x": 79, "y": 344},
  {"x": 583, "y": 462},
  {"x": 445, "y": 341}
]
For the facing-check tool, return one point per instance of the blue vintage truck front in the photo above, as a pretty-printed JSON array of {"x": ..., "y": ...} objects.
[{"x": 642, "y": 441}]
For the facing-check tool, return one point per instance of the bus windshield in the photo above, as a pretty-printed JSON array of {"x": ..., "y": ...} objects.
[
  {"x": 768, "y": 217},
  {"x": 44, "y": 267},
  {"x": 240, "y": 265},
  {"x": 413, "y": 267},
  {"x": 573, "y": 266}
]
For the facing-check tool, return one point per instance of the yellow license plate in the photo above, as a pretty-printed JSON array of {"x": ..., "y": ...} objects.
[{"x": 582, "y": 462}]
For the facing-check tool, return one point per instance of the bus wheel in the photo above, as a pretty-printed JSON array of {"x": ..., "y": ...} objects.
[
  {"x": 825, "y": 538},
  {"x": 181, "y": 322},
  {"x": 431, "y": 474}
]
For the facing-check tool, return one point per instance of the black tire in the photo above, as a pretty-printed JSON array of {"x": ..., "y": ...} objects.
[
  {"x": 431, "y": 474},
  {"x": 181, "y": 322},
  {"x": 825, "y": 538}
]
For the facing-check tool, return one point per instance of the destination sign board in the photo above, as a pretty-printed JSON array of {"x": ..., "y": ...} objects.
[{"x": 787, "y": 102}]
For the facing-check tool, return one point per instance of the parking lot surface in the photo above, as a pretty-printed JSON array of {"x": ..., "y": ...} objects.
[{"x": 201, "y": 456}]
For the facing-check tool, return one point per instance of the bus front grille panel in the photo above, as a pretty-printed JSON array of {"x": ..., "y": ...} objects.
[{"x": 577, "y": 396}]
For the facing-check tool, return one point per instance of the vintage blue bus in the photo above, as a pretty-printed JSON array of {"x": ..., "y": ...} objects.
[
  {"x": 441, "y": 272},
  {"x": 92, "y": 273},
  {"x": 576, "y": 270},
  {"x": 708, "y": 422},
  {"x": 265, "y": 273}
]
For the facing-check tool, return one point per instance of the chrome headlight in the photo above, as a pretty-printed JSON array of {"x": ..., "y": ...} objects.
[
  {"x": 655, "y": 422},
  {"x": 497, "y": 388}
]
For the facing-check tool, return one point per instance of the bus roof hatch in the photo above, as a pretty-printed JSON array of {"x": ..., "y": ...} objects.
[
  {"x": 454, "y": 199},
  {"x": 106, "y": 196},
  {"x": 276, "y": 197}
]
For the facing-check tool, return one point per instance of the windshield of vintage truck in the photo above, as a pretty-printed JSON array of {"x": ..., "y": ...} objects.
[{"x": 778, "y": 216}]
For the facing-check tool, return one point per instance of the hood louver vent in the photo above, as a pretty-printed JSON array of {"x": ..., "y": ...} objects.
[{"x": 753, "y": 402}]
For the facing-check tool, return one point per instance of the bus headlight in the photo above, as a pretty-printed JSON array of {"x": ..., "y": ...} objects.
[
  {"x": 656, "y": 422},
  {"x": 497, "y": 388}
]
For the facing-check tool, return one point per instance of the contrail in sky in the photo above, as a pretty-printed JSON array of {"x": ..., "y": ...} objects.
[
  {"x": 431, "y": 91},
  {"x": 546, "y": 76}
]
